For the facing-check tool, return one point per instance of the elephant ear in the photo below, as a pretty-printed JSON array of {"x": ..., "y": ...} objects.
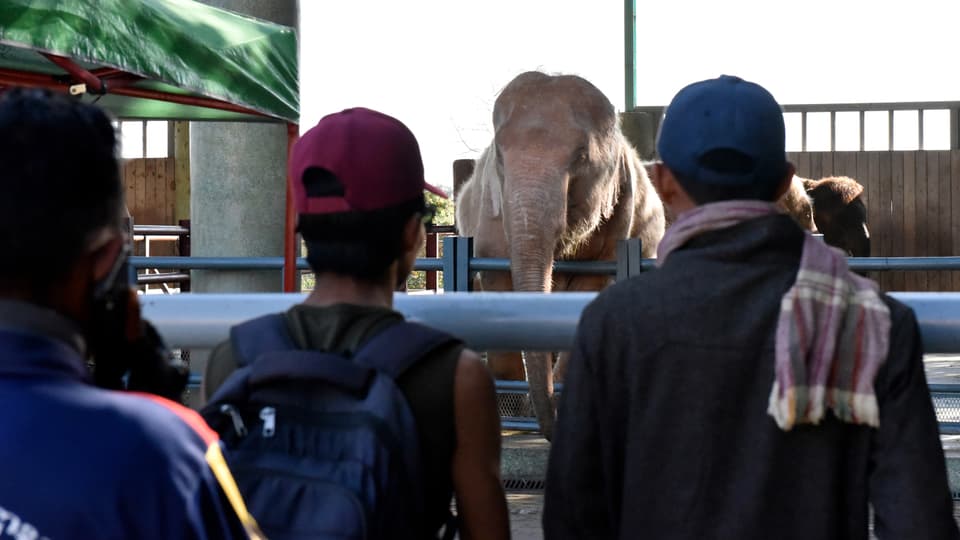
[
  {"x": 625, "y": 175},
  {"x": 490, "y": 180}
]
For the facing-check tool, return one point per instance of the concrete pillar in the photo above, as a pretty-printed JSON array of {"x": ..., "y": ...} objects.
[
  {"x": 238, "y": 190},
  {"x": 640, "y": 129}
]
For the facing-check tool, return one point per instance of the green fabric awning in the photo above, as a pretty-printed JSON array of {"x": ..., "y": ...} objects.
[{"x": 145, "y": 49}]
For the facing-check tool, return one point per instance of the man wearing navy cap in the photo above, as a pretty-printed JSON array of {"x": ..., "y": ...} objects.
[
  {"x": 358, "y": 185},
  {"x": 751, "y": 386}
]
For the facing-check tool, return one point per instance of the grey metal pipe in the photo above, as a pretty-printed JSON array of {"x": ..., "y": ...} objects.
[
  {"x": 887, "y": 264},
  {"x": 505, "y": 321},
  {"x": 168, "y": 277},
  {"x": 508, "y": 321},
  {"x": 165, "y": 230}
]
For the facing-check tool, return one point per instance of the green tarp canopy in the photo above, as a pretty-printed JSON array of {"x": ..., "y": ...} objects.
[{"x": 153, "y": 59}]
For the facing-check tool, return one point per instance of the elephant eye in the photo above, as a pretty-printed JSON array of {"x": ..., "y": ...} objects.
[{"x": 580, "y": 156}]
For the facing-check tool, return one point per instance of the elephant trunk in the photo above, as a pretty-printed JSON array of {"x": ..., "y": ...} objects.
[{"x": 536, "y": 226}]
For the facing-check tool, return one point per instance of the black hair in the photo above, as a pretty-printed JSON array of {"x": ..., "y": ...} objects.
[
  {"x": 361, "y": 245},
  {"x": 59, "y": 184},
  {"x": 731, "y": 162}
]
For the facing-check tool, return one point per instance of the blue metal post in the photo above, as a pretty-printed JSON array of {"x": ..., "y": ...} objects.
[
  {"x": 450, "y": 264},
  {"x": 464, "y": 254},
  {"x": 630, "y": 54},
  {"x": 629, "y": 258}
]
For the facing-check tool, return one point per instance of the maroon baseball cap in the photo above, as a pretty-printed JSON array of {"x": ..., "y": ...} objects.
[{"x": 375, "y": 158}]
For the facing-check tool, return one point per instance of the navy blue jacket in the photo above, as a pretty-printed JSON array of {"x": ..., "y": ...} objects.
[{"x": 77, "y": 461}]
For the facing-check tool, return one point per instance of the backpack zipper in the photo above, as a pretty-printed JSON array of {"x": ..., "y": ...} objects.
[
  {"x": 269, "y": 417},
  {"x": 238, "y": 426}
]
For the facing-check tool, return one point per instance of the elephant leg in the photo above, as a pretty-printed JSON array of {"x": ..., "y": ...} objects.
[
  {"x": 507, "y": 366},
  {"x": 540, "y": 375}
]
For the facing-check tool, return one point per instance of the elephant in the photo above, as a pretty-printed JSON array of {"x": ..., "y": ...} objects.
[
  {"x": 558, "y": 181},
  {"x": 839, "y": 213},
  {"x": 797, "y": 203}
]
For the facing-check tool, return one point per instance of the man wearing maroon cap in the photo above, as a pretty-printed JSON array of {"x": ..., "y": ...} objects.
[{"x": 357, "y": 179}]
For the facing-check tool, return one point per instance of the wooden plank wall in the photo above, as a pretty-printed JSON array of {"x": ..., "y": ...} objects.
[
  {"x": 151, "y": 197},
  {"x": 910, "y": 198}
]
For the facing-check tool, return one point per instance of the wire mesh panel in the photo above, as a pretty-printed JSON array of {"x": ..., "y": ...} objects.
[
  {"x": 514, "y": 406},
  {"x": 947, "y": 407}
]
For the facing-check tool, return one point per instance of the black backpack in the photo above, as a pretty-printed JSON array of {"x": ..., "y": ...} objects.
[{"x": 321, "y": 445}]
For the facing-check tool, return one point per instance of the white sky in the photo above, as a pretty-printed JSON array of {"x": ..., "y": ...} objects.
[{"x": 438, "y": 64}]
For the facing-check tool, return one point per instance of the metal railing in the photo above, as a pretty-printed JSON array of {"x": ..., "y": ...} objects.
[
  {"x": 175, "y": 233},
  {"x": 458, "y": 264},
  {"x": 505, "y": 321},
  {"x": 951, "y": 107}
]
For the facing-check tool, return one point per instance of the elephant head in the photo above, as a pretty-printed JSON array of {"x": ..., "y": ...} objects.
[
  {"x": 840, "y": 213},
  {"x": 557, "y": 149},
  {"x": 559, "y": 177}
]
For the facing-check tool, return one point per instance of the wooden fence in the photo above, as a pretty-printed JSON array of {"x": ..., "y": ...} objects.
[
  {"x": 151, "y": 197},
  {"x": 911, "y": 198}
]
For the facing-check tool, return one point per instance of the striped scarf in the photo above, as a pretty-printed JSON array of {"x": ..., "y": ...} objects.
[{"x": 833, "y": 329}]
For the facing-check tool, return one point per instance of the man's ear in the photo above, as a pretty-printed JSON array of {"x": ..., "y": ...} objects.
[
  {"x": 104, "y": 256},
  {"x": 664, "y": 182}
]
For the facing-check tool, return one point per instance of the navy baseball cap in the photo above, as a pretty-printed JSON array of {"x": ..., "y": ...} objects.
[
  {"x": 375, "y": 158},
  {"x": 726, "y": 113}
]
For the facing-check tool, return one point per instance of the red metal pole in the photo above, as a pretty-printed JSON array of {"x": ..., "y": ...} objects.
[
  {"x": 10, "y": 77},
  {"x": 195, "y": 101},
  {"x": 430, "y": 283},
  {"x": 94, "y": 84},
  {"x": 290, "y": 272}
]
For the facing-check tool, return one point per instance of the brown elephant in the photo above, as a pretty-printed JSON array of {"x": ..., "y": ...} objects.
[
  {"x": 795, "y": 202},
  {"x": 840, "y": 214},
  {"x": 559, "y": 181}
]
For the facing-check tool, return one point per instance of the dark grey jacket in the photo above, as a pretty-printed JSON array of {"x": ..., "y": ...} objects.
[{"x": 663, "y": 432}]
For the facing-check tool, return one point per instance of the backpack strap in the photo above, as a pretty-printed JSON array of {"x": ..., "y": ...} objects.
[
  {"x": 264, "y": 334},
  {"x": 400, "y": 346}
]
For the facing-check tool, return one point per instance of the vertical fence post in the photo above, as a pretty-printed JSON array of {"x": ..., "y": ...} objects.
[
  {"x": 464, "y": 254},
  {"x": 450, "y": 264},
  {"x": 954, "y": 128},
  {"x": 629, "y": 258},
  {"x": 457, "y": 251}
]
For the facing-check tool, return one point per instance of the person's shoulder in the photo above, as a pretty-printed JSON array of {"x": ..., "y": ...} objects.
[
  {"x": 900, "y": 313},
  {"x": 471, "y": 366},
  {"x": 162, "y": 430},
  {"x": 473, "y": 382},
  {"x": 637, "y": 294}
]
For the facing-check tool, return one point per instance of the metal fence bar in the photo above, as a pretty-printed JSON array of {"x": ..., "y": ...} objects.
[
  {"x": 490, "y": 321},
  {"x": 486, "y": 321},
  {"x": 952, "y": 106},
  {"x": 243, "y": 263},
  {"x": 629, "y": 258},
  {"x": 162, "y": 230},
  {"x": 168, "y": 277}
]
